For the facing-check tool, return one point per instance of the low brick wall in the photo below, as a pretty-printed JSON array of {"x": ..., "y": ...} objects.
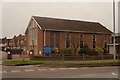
[{"x": 72, "y": 58}]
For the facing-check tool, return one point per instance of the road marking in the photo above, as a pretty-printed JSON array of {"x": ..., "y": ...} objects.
[
  {"x": 72, "y": 68},
  {"x": 96, "y": 67},
  {"x": 84, "y": 68},
  {"x": 29, "y": 70},
  {"x": 52, "y": 69},
  {"x": 4, "y": 71},
  {"x": 63, "y": 68},
  {"x": 114, "y": 73},
  {"x": 41, "y": 69},
  {"x": 15, "y": 71}
]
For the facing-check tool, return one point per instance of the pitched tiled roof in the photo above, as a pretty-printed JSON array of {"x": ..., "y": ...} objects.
[{"x": 72, "y": 25}]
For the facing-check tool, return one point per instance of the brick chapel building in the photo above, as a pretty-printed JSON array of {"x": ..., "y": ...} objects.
[{"x": 45, "y": 31}]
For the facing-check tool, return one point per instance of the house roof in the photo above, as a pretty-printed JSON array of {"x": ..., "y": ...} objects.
[
  {"x": 19, "y": 37},
  {"x": 72, "y": 25}
]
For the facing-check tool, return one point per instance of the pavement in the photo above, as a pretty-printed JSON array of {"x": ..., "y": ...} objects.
[
  {"x": 3, "y": 56},
  {"x": 36, "y": 71},
  {"x": 32, "y": 71}
]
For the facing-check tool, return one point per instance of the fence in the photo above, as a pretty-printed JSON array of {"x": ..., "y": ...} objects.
[{"x": 73, "y": 58}]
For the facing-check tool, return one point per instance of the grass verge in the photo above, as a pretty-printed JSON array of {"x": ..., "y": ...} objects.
[{"x": 63, "y": 62}]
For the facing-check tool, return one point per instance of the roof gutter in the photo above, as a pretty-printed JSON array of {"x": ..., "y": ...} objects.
[{"x": 76, "y": 31}]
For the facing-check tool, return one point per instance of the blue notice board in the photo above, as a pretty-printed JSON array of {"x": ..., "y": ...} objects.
[{"x": 47, "y": 50}]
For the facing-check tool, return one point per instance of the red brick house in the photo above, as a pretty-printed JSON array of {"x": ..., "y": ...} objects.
[
  {"x": 18, "y": 42},
  {"x": 44, "y": 31},
  {"x": 5, "y": 42}
]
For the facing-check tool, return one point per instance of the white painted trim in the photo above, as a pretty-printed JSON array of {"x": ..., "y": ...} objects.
[
  {"x": 112, "y": 44},
  {"x": 44, "y": 37},
  {"x": 36, "y": 22},
  {"x": 28, "y": 25}
]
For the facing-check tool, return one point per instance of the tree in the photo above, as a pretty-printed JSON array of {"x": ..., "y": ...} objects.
[
  {"x": 100, "y": 51},
  {"x": 74, "y": 44}
]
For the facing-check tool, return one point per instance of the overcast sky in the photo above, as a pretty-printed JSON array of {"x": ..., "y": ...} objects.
[{"x": 16, "y": 15}]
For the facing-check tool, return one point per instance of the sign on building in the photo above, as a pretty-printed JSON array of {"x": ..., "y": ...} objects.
[{"x": 47, "y": 50}]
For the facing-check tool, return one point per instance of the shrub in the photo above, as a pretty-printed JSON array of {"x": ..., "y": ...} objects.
[
  {"x": 19, "y": 51},
  {"x": 92, "y": 52},
  {"x": 67, "y": 52},
  {"x": 55, "y": 51},
  {"x": 104, "y": 51},
  {"x": 100, "y": 51},
  {"x": 84, "y": 50}
]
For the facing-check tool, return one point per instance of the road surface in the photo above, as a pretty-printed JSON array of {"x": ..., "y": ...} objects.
[{"x": 46, "y": 72}]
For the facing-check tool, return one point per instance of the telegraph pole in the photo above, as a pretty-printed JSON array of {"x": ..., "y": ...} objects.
[{"x": 114, "y": 48}]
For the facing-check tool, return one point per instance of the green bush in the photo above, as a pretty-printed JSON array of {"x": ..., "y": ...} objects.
[
  {"x": 20, "y": 51},
  {"x": 92, "y": 52},
  {"x": 67, "y": 52},
  {"x": 84, "y": 50},
  {"x": 100, "y": 51},
  {"x": 104, "y": 51},
  {"x": 55, "y": 51}
]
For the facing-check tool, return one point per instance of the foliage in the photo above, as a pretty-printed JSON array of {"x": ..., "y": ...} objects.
[
  {"x": 67, "y": 51},
  {"x": 14, "y": 51},
  {"x": 104, "y": 51},
  {"x": 8, "y": 50},
  {"x": 55, "y": 50},
  {"x": 74, "y": 44},
  {"x": 20, "y": 51},
  {"x": 100, "y": 51},
  {"x": 84, "y": 50},
  {"x": 92, "y": 52}
]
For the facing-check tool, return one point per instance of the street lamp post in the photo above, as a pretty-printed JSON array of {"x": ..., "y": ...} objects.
[{"x": 114, "y": 50}]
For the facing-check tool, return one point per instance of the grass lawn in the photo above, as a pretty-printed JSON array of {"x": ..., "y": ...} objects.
[{"x": 63, "y": 62}]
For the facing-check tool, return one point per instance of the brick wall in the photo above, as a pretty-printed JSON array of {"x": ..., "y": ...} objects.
[
  {"x": 40, "y": 40},
  {"x": 62, "y": 40},
  {"x": 87, "y": 39},
  {"x": 47, "y": 38}
]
